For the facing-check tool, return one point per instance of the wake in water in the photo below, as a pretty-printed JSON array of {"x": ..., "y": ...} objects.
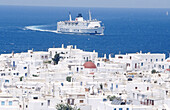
[
  {"x": 47, "y": 28},
  {"x": 40, "y": 28}
]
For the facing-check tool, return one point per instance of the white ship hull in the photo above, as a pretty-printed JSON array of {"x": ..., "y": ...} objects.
[{"x": 96, "y": 31}]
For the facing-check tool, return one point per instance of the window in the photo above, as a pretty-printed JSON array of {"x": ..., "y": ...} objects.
[
  {"x": 141, "y": 64},
  {"x": 128, "y": 64},
  {"x": 159, "y": 66},
  {"x": 62, "y": 84},
  {"x": 98, "y": 64},
  {"x": 77, "y": 69},
  {"x": 130, "y": 57},
  {"x": 152, "y": 102},
  {"x": 6, "y": 80},
  {"x": 143, "y": 96},
  {"x": 81, "y": 101},
  {"x": 133, "y": 95},
  {"x": 42, "y": 104},
  {"x": 116, "y": 86},
  {"x": 136, "y": 87},
  {"x": 162, "y": 66},
  {"x": 25, "y": 74},
  {"x": 26, "y": 106},
  {"x": 162, "y": 59},
  {"x": 114, "y": 109},
  {"x": 156, "y": 60},
  {"x": 111, "y": 85},
  {"x": 147, "y": 88},
  {"x": 48, "y": 102},
  {"x": 138, "y": 96},
  {"x": 120, "y": 57},
  {"x": 135, "y": 65},
  {"x": 35, "y": 97},
  {"x": 87, "y": 58},
  {"x": 127, "y": 108},
  {"x": 25, "y": 68},
  {"x": 13, "y": 63},
  {"x": 120, "y": 109},
  {"x": 2, "y": 102},
  {"x": 10, "y": 102},
  {"x": 151, "y": 60}
]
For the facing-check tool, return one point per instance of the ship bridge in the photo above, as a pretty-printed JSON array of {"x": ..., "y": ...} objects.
[{"x": 79, "y": 17}]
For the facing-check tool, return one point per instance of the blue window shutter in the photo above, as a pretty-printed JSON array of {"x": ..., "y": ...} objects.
[
  {"x": 2, "y": 102},
  {"x": 10, "y": 102},
  {"x": 116, "y": 86}
]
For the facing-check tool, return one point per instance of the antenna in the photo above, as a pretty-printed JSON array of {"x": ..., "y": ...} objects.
[
  {"x": 89, "y": 15},
  {"x": 70, "y": 16}
]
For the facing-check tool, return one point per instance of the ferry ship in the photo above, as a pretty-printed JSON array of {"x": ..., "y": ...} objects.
[{"x": 81, "y": 26}]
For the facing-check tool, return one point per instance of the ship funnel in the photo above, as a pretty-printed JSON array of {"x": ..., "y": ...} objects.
[
  {"x": 70, "y": 16},
  {"x": 89, "y": 15}
]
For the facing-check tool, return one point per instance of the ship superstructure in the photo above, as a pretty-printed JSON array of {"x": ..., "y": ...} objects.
[{"x": 80, "y": 26}]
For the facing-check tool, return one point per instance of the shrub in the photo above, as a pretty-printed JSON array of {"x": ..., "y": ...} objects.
[
  {"x": 35, "y": 75},
  {"x": 65, "y": 107},
  {"x": 153, "y": 71}
]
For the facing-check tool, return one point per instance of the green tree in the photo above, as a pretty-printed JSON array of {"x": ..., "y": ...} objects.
[
  {"x": 153, "y": 71},
  {"x": 68, "y": 78},
  {"x": 56, "y": 58},
  {"x": 21, "y": 78}
]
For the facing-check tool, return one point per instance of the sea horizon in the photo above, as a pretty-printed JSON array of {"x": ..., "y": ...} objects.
[{"x": 126, "y": 30}]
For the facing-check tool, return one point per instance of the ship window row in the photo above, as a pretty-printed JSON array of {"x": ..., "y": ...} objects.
[
  {"x": 121, "y": 109},
  {"x": 76, "y": 30},
  {"x": 71, "y": 24},
  {"x": 62, "y": 29}
]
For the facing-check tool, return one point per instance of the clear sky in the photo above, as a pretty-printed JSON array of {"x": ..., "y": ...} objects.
[{"x": 91, "y": 3}]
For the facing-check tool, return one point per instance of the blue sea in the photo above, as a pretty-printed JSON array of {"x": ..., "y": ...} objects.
[{"x": 126, "y": 30}]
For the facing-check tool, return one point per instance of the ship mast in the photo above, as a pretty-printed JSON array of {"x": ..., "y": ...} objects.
[
  {"x": 70, "y": 16},
  {"x": 89, "y": 15}
]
